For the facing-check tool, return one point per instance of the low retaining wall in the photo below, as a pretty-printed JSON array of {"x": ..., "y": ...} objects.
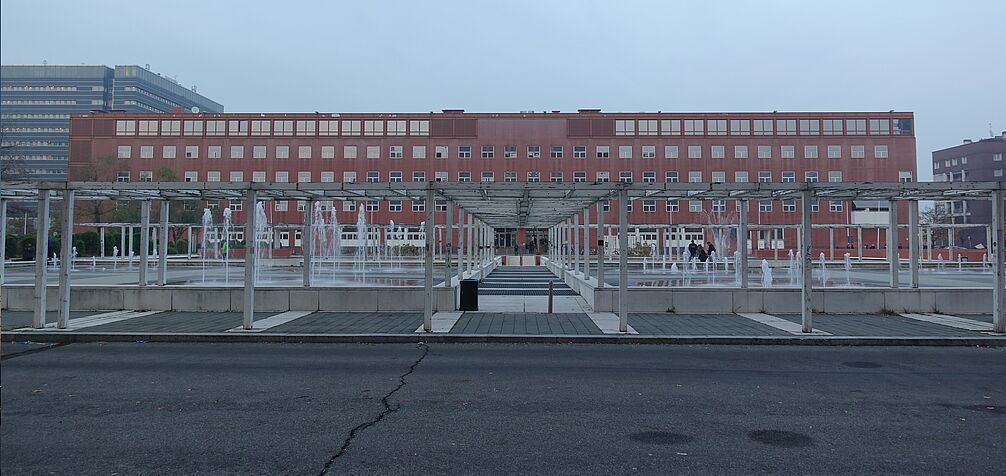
[{"x": 221, "y": 299}]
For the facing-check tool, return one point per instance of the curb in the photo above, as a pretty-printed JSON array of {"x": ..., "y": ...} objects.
[{"x": 220, "y": 337}]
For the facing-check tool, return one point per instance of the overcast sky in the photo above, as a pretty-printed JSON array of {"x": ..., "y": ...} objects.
[{"x": 942, "y": 60}]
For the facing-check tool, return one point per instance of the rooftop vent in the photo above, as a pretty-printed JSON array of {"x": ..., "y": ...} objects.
[
  {"x": 967, "y": 141},
  {"x": 588, "y": 110},
  {"x": 453, "y": 111}
]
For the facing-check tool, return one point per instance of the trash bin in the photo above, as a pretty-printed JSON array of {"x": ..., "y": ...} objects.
[
  {"x": 469, "y": 295},
  {"x": 28, "y": 252}
]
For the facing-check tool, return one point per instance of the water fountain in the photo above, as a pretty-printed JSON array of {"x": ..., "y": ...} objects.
[
  {"x": 824, "y": 270},
  {"x": 334, "y": 240},
  {"x": 54, "y": 261},
  {"x": 388, "y": 238},
  {"x": 225, "y": 248},
  {"x": 939, "y": 262},
  {"x": 674, "y": 268},
  {"x": 711, "y": 259},
  {"x": 986, "y": 266},
  {"x": 766, "y": 274},
  {"x": 791, "y": 268},
  {"x": 261, "y": 237},
  {"x": 207, "y": 226},
  {"x": 115, "y": 258},
  {"x": 848, "y": 270},
  {"x": 361, "y": 243},
  {"x": 737, "y": 268},
  {"x": 73, "y": 259},
  {"x": 94, "y": 263}
]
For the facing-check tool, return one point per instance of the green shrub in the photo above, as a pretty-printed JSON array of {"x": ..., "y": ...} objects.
[
  {"x": 408, "y": 250},
  {"x": 639, "y": 250}
]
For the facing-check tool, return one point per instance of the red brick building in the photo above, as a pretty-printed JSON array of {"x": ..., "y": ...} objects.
[{"x": 452, "y": 145}]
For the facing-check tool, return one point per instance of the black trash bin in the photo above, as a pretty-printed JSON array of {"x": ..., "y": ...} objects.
[
  {"x": 469, "y": 295},
  {"x": 28, "y": 252}
]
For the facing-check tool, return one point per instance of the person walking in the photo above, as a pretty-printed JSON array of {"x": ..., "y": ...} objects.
[
  {"x": 710, "y": 248},
  {"x": 692, "y": 250}
]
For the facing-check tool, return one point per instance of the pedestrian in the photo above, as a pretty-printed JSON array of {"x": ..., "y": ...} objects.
[
  {"x": 692, "y": 250},
  {"x": 710, "y": 248},
  {"x": 702, "y": 254}
]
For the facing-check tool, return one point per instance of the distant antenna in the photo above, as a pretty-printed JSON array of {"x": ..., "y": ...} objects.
[
  {"x": 991, "y": 132},
  {"x": 195, "y": 109},
  {"x": 44, "y": 62}
]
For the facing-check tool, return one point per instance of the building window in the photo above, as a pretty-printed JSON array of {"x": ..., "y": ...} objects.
[
  {"x": 810, "y": 151},
  {"x": 373, "y": 128},
  {"x": 695, "y": 206},
  {"x": 124, "y": 152},
  {"x": 395, "y": 176},
  {"x": 717, "y": 127},
  {"x": 464, "y": 176},
  {"x": 282, "y": 177},
  {"x": 374, "y": 205},
  {"x": 281, "y": 205},
  {"x": 855, "y": 127},
  {"x": 997, "y": 157},
  {"x": 465, "y": 152},
  {"x": 765, "y": 176},
  {"x": 260, "y": 128},
  {"x": 213, "y": 152},
  {"x": 419, "y": 128},
  {"x": 741, "y": 176},
  {"x": 168, "y": 152},
  {"x": 719, "y": 206},
  {"x": 695, "y": 152},
  {"x": 649, "y": 206},
  {"x": 236, "y": 176},
  {"x": 148, "y": 128},
  {"x": 348, "y": 206},
  {"x": 670, "y": 127},
  {"x": 174, "y": 128},
  {"x": 740, "y": 151},
  {"x": 997, "y": 173},
  {"x": 146, "y": 176},
  {"x": 672, "y": 205},
  {"x": 579, "y": 177},
  {"x": 649, "y": 152},
  {"x": 740, "y": 127},
  {"x": 396, "y": 128},
  {"x": 328, "y": 128},
  {"x": 534, "y": 151},
  {"x": 787, "y": 152},
  {"x": 762, "y": 127},
  {"x": 834, "y": 205},
  {"x": 373, "y": 176},
  {"x": 122, "y": 176},
  {"x": 395, "y": 206},
  {"x": 810, "y": 176},
  {"x": 719, "y": 177},
  {"x": 556, "y": 176},
  {"x": 625, "y": 152},
  {"x": 717, "y": 151},
  {"x": 440, "y": 176},
  {"x": 146, "y": 152},
  {"x": 488, "y": 176},
  {"x": 125, "y": 128},
  {"x": 788, "y": 176},
  {"x": 835, "y": 176},
  {"x": 880, "y": 127},
  {"x": 193, "y": 176},
  {"x": 764, "y": 152},
  {"x": 509, "y": 152},
  {"x": 625, "y": 176},
  {"x": 694, "y": 127},
  {"x": 858, "y": 151},
  {"x": 533, "y": 177},
  {"x": 905, "y": 176},
  {"x": 625, "y": 127},
  {"x": 192, "y": 128},
  {"x": 647, "y": 127},
  {"x": 649, "y": 177},
  {"x": 213, "y": 176},
  {"x": 670, "y": 151},
  {"x": 440, "y": 152},
  {"x": 602, "y": 176},
  {"x": 488, "y": 152},
  {"x": 695, "y": 176},
  {"x": 510, "y": 176},
  {"x": 283, "y": 128},
  {"x": 419, "y": 205},
  {"x": 671, "y": 176},
  {"x": 304, "y": 176},
  {"x": 602, "y": 151},
  {"x": 786, "y": 127},
  {"x": 880, "y": 152},
  {"x": 373, "y": 152},
  {"x": 418, "y": 176},
  {"x": 350, "y": 128},
  {"x": 832, "y": 127},
  {"x": 789, "y": 205},
  {"x": 192, "y": 152},
  {"x": 810, "y": 127},
  {"x": 349, "y": 176},
  {"x": 237, "y": 151},
  {"x": 834, "y": 152},
  {"x": 556, "y": 152},
  {"x": 215, "y": 128},
  {"x": 395, "y": 152},
  {"x": 579, "y": 152},
  {"x": 282, "y": 152},
  {"x": 764, "y": 205}
]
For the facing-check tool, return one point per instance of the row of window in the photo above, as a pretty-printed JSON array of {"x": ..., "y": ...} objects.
[
  {"x": 34, "y": 116},
  {"x": 52, "y": 88},
  {"x": 272, "y": 128},
  {"x": 350, "y": 176},
  {"x": 762, "y": 127},
  {"x": 510, "y": 152},
  {"x": 996, "y": 157}
]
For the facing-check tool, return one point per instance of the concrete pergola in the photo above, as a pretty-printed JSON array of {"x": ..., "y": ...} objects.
[{"x": 483, "y": 206}]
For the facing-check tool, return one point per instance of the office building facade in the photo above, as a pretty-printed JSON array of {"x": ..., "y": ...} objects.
[
  {"x": 980, "y": 161},
  {"x": 586, "y": 146},
  {"x": 36, "y": 102}
]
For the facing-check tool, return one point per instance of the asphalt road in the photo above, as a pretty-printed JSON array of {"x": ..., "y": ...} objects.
[{"x": 500, "y": 409}]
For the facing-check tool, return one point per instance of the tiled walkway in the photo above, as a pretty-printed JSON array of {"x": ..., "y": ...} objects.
[{"x": 525, "y": 323}]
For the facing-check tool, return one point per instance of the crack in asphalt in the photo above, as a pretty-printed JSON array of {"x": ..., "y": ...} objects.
[
  {"x": 32, "y": 350},
  {"x": 388, "y": 408}
]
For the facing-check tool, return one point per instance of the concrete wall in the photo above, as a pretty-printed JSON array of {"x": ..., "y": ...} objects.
[{"x": 177, "y": 298}]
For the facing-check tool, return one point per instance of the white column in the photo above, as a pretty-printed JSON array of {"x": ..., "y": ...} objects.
[
  {"x": 575, "y": 242},
  {"x": 913, "y": 242},
  {"x": 307, "y": 244},
  {"x": 586, "y": 243},
  {"x": 101, "y": 239},
  {"x": 448, "y": 251},
  {"x": 892, "y": 242},
  {"x": 998, "y": 252},
  {"x": 66, "y": 255},
  {"x": 3, "y": 237},
  {"x": 428, "y": 265},
  {"x": 742, "y": 245},
  {"x": 470, "y": 258},
  {"x": 41, "y": 255},
  {"x": 251, "y": 254},
  {"x": 600, "y": 245},
  {"x": 623, "y": 261},
  {"x": 805, "y": 245},
  {"x": 162, "y": 244},
  {"x": 461, "y": 244},
  {"x": 144, "y": 239}
]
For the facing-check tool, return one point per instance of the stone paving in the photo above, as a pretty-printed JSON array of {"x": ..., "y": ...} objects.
[
  {"x": 878, "y": 325},
  {"x": 525, "y": 323}
]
